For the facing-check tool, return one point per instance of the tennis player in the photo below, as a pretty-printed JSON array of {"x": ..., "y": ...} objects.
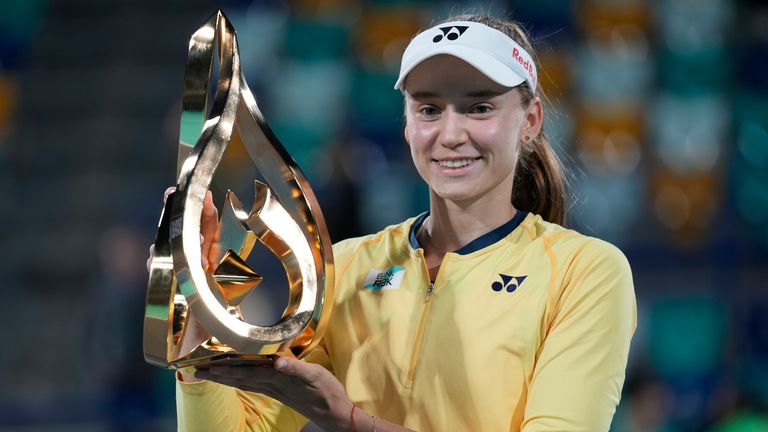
[{"x": 483, "y": 314}]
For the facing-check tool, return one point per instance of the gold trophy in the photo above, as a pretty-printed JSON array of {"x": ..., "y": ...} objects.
[{"x": 285, "y": 217}]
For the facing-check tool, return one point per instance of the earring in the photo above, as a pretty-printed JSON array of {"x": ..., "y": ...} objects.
[{"x": 527, "y": 138}]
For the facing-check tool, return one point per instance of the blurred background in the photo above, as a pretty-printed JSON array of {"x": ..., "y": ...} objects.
[{"x": 658, "y": 108}]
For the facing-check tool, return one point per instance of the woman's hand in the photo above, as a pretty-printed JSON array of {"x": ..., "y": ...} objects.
[
  {"x": 209, "y": 233},
  {"x": 209, "y": 230},
  {"x": 308, "y": 388}
]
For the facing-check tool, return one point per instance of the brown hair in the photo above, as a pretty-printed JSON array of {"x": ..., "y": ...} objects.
[{"x": 539, "y": 184}]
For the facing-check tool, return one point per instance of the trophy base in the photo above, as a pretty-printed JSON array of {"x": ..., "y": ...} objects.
[{"x": 189, "y": 367}]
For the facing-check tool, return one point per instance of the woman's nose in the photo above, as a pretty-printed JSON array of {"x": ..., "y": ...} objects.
[{"x": 453, "y": 132}]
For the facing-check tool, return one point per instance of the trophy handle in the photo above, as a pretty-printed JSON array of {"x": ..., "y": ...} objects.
[{"x": 286, "y": 218}]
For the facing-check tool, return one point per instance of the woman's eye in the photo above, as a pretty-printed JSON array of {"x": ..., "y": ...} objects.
[
  {"x": 429, "y": 111},
  {"x": 481, "y": 109}
]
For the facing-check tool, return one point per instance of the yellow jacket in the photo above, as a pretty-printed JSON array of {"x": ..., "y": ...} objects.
[{"x": 526, "y": 328}]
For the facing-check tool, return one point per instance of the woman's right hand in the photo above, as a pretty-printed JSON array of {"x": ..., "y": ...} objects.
[{"x": 209, "y": 231}]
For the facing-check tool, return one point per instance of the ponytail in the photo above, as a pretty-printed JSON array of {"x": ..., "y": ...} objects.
[{"x": 539, "y": 185}]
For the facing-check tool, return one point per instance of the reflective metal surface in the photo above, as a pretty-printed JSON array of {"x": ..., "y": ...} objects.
[{"x": 285, "y": 217}]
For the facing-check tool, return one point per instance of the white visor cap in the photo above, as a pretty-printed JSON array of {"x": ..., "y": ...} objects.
[{"x": 488, "y": 50}]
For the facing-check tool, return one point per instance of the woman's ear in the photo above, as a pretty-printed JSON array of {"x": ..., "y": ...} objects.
[{"x": 534, "y": 120}]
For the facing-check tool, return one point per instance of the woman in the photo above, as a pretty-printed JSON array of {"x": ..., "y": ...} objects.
[{"x": 481, "y": 315}]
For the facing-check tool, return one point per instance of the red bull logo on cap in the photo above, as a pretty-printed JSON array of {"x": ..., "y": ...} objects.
[{"x": 525, "y": 63}]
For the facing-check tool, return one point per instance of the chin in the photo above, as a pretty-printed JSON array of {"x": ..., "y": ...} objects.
[{"x": 456, "y": 194}]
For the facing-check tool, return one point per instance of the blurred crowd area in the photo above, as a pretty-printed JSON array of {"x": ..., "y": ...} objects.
[{"x": 659, "y": 110}]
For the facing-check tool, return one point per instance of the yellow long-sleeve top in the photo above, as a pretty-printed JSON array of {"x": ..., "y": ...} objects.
[{"x": 526, "y": 328}]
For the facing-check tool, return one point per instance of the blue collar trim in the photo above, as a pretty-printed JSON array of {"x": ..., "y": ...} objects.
[
  {"x": 481, "y": 242},
  {"x": 415, "y": 228}
]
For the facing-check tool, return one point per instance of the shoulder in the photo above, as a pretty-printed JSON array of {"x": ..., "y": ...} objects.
[
  {"x": 591, "y": 279},
  {"x": 355, "y": 256},
  {"x": 584, "y": 269},
  {"x": 601, "y": 255},
  {"x": 393, "y": 237},
  {"x": 571, "y": 248}
]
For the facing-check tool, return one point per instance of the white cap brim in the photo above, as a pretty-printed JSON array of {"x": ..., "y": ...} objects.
[
  {"x": 488, "y": 50},
  {"x": 480, "y": 60}
]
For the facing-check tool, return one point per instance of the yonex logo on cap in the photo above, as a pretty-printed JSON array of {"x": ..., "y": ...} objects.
[{"x": 450, "y": 33}]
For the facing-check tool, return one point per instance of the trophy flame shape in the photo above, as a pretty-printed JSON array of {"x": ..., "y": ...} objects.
[{"x": 285, "y": 217}]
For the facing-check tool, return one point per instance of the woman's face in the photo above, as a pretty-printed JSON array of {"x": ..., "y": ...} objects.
[{"x": 464, "y": 129}]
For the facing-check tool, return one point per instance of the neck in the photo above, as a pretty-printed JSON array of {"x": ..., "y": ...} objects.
[{"x": 453, "y": 224}]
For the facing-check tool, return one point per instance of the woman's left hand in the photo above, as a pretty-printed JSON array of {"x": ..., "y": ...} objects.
[{"x": 308, "y": 388}]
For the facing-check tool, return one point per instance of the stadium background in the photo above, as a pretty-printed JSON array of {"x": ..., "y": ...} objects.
[{"x": 659, "y": 109}]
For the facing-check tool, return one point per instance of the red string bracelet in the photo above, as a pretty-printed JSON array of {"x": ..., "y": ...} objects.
[{"x": 352, "y": 417}]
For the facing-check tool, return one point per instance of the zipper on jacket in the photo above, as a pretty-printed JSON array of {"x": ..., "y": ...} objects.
[{"x": 425, "y": 308}]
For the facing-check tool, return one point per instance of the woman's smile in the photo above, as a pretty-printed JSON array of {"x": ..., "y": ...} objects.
[{"x": 457, "y": 166}]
